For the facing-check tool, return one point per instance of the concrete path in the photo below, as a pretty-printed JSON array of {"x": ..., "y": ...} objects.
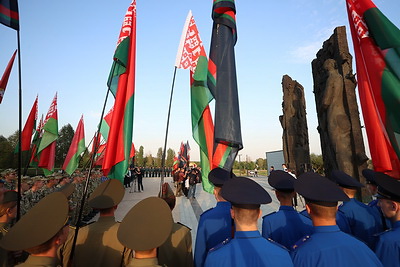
[{"x": 188, "y": 211}]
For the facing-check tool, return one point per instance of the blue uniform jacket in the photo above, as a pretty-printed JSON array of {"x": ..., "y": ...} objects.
[
  {"x": 365, "y": 222},
  {"x": 388, "y": 246},
  {"x": 286, "y": 226},
  {"x": 248, "y": 249},
  {"x": 215, "y": 226},
  {"x": 341, "y": 221},
  {"x": 328, "y": 246}
]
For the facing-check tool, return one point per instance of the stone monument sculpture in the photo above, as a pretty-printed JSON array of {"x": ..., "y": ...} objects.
[
  {"x": 296, "y": 148},
  {"x": 338, "y": 115}
]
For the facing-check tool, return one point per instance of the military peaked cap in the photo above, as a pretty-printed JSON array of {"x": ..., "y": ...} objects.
[
  {"x": 108, "y": 194},
  {"x": 319, "y": 189},
  {"x": 147, "y": 225},
  {"x": 219, "y": 176},
  {"x": 369, "y": 176},
  {"x": 345, "y": 180},
  {"x": 245, "y": 193},
  {"x": 281, "y": 180},
  {"x": 39, "y": 225},
  {"x": 388, "y": 187}
]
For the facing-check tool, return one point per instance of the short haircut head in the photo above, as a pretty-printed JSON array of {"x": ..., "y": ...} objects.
[{"x": 246, "y": 216}]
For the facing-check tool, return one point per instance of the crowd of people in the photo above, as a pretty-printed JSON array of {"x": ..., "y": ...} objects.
[
  {"x": 185, "y": 180},
  {"x": 324, "y": 234}
]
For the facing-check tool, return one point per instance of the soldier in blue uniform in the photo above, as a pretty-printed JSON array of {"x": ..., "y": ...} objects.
[
  {"x": 364, "y": 221},
  {"x": 216, "y": 224},
  {"x": 327, "y": 246},
  {"x": 285, "y": 226},
  {"x": 388, "y": 246},
  {"x": 372, "y": 187},
  {"x": 248, "y": 247},
  {"x": 341, "y": 220}
]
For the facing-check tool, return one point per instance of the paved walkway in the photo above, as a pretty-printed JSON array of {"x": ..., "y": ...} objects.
[{"x": 188, "y": 211}]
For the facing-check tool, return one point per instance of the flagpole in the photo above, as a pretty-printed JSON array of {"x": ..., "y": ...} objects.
[
  {"x": 19, "y": 126},
  {"x": 87, "y": 179},
  {"x": 166, "y": 131}
]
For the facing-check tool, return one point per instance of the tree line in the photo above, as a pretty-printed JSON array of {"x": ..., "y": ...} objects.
[
  {"x": 9, "y": 155},
  {"x": 9, "y": 152}
]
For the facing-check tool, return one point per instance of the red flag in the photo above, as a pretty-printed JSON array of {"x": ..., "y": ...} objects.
[
  {"x": 375, "y": 41},
  {"x": 29, "y": 127},
  {"x": 76, "y": 148},
  {"x": 119, "y": 143},
  {"x": 47, "y": 146},
  {"x": 34, "y": 161},
  {"x": 6, "y": 75}
]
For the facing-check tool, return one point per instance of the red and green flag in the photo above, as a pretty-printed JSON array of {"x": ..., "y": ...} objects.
[
  {"x": 175, "y": 165},
  {"x": 47, "y": 146},
  {"x": 34, "y": 160},
  {"x": 9, "y": 13},
  {"x": 29, "y": 128},
  {"x": 119, "y": 142},
  {"x": 222, "y": 83},
  {"x": 76, "y": 148},
  {"x": 6, "y": 75},
  {"x": 377, "y": 48},
  {"x": 105, "y": 124},
  {"x": 191, "y": 54}
]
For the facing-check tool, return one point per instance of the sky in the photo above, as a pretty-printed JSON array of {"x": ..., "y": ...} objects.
[{"x": 67, "y": 47}]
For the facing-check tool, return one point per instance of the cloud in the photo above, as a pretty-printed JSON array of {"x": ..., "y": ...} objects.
[{"x": 306, "y": 52}]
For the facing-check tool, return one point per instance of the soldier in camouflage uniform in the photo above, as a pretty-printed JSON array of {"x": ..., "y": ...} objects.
[
  {"x": 10, "y": 178},
  {"x": 33, "y": 195},
  {"x": 64, "y": 180},
  {"x": 76, "y": 196},
  {"x": 26, "y": 184},
  {"x": 49, "y": 187}
]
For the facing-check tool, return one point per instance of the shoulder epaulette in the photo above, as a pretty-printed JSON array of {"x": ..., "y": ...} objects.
[
  {"x": 381, "y": 233},
  {"x": 340, "y": 211},
  {"x": 301, "y": 242},
  {"x": 184, "y": 226},
  {"x": 269, "y": 214},
  {"x": 305, "y": 214},
  {"x": 206, "y": 211},
  {"x": 220, "y": 245},
  {"x": 276, "y": 243}
]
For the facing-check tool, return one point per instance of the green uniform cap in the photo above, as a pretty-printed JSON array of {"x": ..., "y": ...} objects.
[
  {"x": 8, "y": 171},
  {"x": 147, "y": 225},
  {"x": 39, "y": 225},
  {"x": 107, "y": 195},
  {"x": 38, "y": 178},
  {"x": 9, "y": 196}
]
